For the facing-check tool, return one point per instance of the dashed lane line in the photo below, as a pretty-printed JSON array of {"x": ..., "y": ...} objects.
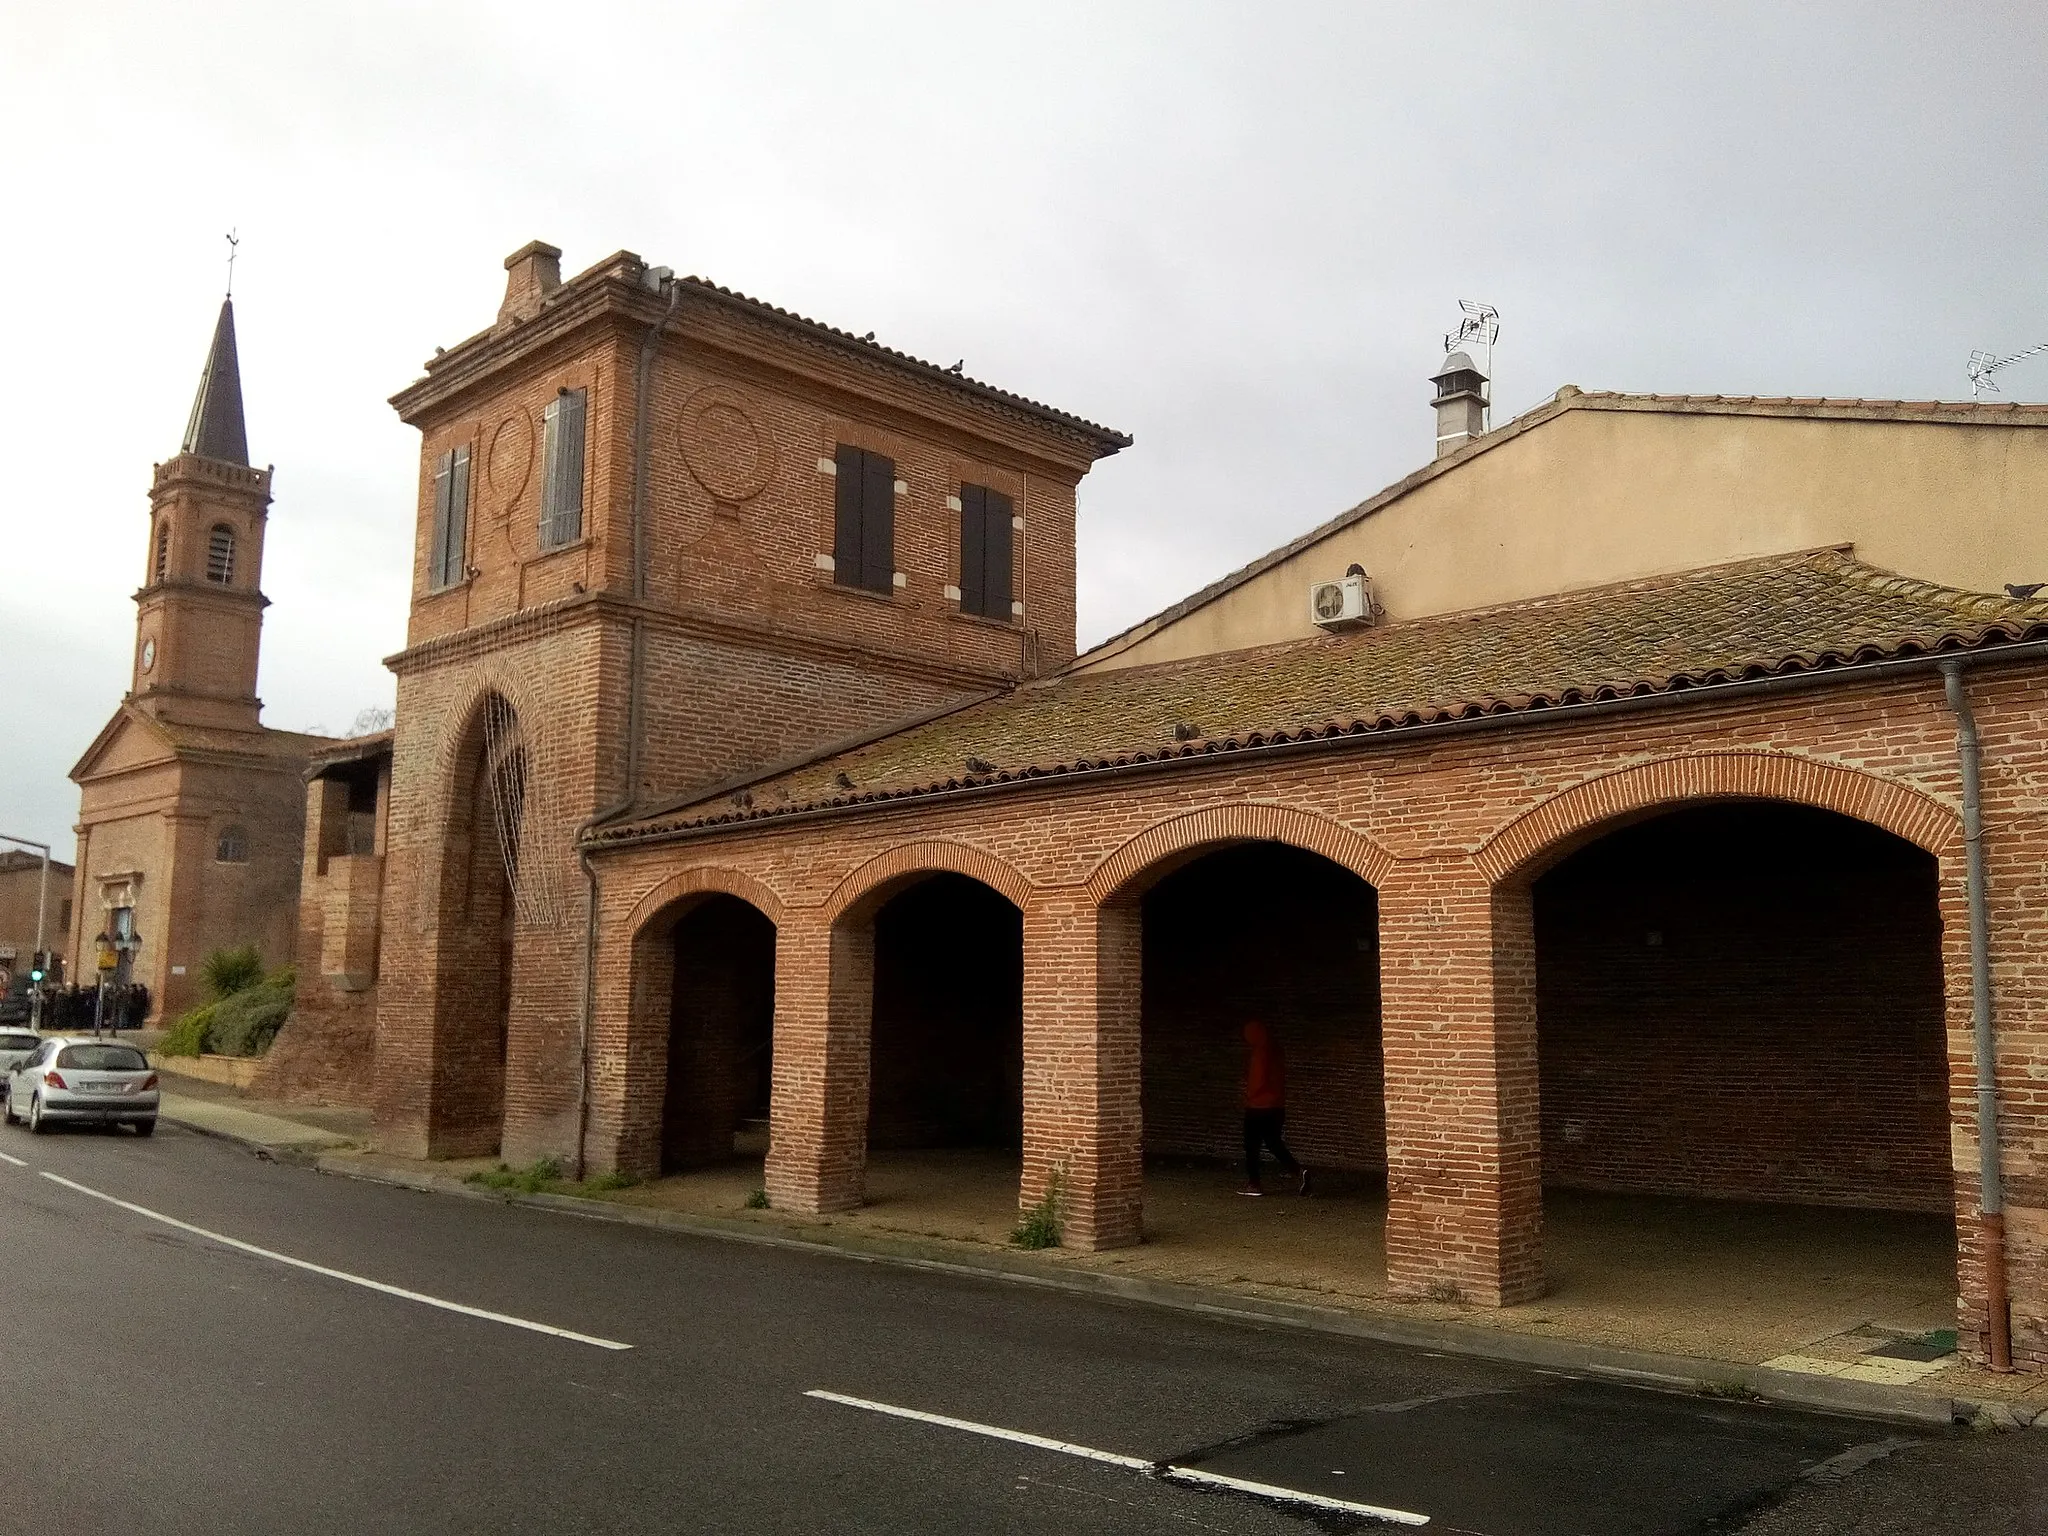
[
  {"x": 341, "y": 1274},
  {"x": 1166, "y": 1471},
  {"x": 15, "y": 1161}
]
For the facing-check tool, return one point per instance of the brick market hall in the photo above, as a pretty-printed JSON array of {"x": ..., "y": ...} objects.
[{"x": 1646, "y": 798}]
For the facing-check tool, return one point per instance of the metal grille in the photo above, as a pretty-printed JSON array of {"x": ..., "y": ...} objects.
[{"x": 520, "y": 814}]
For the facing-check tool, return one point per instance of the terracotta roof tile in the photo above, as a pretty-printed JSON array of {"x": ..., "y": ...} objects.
[{"x": 1792, "y": 613}]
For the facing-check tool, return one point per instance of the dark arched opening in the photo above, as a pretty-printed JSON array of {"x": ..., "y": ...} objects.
[
  {"x": 1270, "y": 932},
  {"x": 720, "y": 1034},
  {"x": 1743, "y": 1063}
]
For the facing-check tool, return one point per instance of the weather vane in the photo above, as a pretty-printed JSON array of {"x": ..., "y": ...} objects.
[{"x": 232, "y": 243}]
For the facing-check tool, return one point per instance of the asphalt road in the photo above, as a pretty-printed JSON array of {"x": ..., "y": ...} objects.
[{"x": 159, "y": 1380}]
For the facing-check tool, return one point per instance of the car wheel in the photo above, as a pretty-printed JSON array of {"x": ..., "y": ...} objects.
[
  {"x": 36, "y": 1123},
  {"x": 145, "y": 1127}
]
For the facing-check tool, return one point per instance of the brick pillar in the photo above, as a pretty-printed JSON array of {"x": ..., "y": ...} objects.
[
  {"x": 629, "y": 1046},
  {"x": 1464, "y": 1143},
  {"x": 818, "y": 1110},
  {"x": 1081, "y": 1067}
]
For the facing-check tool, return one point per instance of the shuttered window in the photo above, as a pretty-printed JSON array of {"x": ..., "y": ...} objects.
[
  {"x": 561, "y": 501},
  {"x": 220, "y": 555},
  {"x": 163, "y": 548},
  {"x": 864, "y": 541},
  {"x": 451, "y": 517},
  {"x": 986, "y": 543}
]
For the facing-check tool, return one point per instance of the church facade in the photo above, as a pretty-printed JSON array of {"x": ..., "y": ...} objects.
[
  {"x": 1610, "y": 806},
  {"x": 191, "y": 811}
]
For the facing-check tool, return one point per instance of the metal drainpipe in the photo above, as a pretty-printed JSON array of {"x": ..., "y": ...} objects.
[
  {"x": 1990, "y": 1184},
  {"x": 635, "y": 668}
]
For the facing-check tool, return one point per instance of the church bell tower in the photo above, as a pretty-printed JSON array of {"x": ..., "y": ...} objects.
[{"x": 199, "y": 620}]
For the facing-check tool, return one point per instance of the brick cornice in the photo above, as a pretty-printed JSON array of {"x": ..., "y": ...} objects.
[{"x": 601, "y": 607}]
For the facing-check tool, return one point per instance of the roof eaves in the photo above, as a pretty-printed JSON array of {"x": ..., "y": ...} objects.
[{"x": 1819, "y": 667}]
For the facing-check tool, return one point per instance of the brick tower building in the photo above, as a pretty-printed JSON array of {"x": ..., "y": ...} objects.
[
  {"x": 191, "y": 811},
  {"x": 666, "y": 535}
]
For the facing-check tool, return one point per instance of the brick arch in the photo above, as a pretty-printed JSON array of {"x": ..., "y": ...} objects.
[
  {"x": 703, "y": 880},
  {"x": 923, "y": 858},
  {"x": 459, "y": 721},
  {"x": 1244, "y": 821},
  {"x": 1566, "y": 821}
]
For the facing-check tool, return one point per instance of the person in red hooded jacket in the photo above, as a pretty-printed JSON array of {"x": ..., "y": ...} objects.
[{"x": 1265, "y": 1108}]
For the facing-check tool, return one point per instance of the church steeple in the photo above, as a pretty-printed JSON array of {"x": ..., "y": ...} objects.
[
  {"x": 215, "y": 430},
  {"x": 199, "y": 614}
]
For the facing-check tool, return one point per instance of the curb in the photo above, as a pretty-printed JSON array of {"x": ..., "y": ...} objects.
[
  {"x": 1686, "y": 1374},
  {"x": 269, "y": 1151}
]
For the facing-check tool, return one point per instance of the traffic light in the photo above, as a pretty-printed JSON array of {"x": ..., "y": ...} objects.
[{"x": 37, "y": 966}]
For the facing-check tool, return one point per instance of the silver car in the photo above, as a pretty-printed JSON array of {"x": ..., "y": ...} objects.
[
  {"x": 88, "y": 1080},
  {"x": 16, "y": 1046}
]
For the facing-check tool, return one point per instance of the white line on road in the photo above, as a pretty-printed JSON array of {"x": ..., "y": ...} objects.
[
  {"x": 342, "y": 1274},
  {"x": 17, "y": 1162},
  {"x": 1166, "y": 1471}
]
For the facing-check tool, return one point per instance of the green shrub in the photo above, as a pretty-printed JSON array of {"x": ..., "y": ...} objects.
[
  {"x": 245, "y": 1022},
  {"x": 605, "y": 1183},
  {"x": 188, "y": 1036},
  {"x": 228, "y": 971},
  {"x": 538, "y": 1179},
  {"x": 1040, "y": 1227},
  {"x": 757, "y": 1199}
]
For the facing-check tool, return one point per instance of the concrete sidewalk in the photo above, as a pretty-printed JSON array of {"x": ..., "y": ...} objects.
[
  {"x": 255, "y": 1129},
  {"x": 896, "y": 1231}
]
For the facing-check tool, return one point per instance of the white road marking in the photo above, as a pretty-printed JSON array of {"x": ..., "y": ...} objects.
[
  {"x": 1168, "y": 1472},
  {"x": 17, "y": 1162},
  {"x": 342, "y": 1274},
  {"x": 1065, "y": 1448}
]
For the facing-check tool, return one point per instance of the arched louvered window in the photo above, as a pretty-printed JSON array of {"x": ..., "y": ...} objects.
[
  {"x": 220, "y": 555},
  {"x": 233, "y": 847},
  {"x": 163, "y": 548}
]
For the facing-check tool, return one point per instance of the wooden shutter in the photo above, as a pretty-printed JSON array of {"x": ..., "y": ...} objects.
[
  {"x": 878, "y": 523},
  {"x": 437, "y": 551},
  {"x": 846, "y": 539},
  {"x": 458, "y": 517},
  {"x": 973, "y": 514},
  {"x": 561, "y": 519},
  {"x": 996, "y": 547}
]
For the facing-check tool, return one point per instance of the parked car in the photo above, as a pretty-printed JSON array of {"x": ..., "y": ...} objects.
[
  {"x": 68, "y": 1079},
  {"x": 16, "y": 1046}
]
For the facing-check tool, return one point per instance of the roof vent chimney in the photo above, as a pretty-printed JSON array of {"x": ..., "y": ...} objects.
[
  {"x": 531, "y": 273},
  {"x": 1460, "y": 403},
  {"x": 1461, "y": 395}
]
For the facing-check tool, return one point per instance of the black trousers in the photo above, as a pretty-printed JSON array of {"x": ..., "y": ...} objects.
[{"x": 1262, "y": 1130}]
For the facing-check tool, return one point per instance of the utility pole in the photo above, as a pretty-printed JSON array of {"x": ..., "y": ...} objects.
[{"x": 35, "y": 1000}]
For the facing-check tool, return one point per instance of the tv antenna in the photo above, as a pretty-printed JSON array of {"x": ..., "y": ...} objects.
[
  {"x": 1984, "y": 364},
  {"x": 1478, "y": 329},
  {"x": 232, "y": 243}
]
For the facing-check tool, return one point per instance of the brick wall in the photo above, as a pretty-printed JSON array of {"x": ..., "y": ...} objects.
[
  {"x": 1746, "y": 1003},
  {"x": 1451, "y": 831}
]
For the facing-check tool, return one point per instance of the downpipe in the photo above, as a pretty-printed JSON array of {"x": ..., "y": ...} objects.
[
  {"x": 636, "y": 669},
  {"x": 1990, "y": 1181}
]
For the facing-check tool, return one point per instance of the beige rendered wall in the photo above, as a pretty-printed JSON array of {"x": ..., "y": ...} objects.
[{"x": 1594, "y": 495}]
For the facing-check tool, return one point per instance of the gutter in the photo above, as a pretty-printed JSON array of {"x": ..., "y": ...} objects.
[
  {"x": 1990, "y": 1179},
  {"x": 635, "y": 691},
  {"x": 1789, "y": 682}
]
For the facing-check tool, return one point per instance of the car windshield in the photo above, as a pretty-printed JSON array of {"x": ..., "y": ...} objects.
[
  {"x": 19, "y": 1042},
  {"x": 102, "y": 1058}
]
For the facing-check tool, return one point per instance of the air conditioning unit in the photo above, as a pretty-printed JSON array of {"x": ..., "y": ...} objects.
[{"x": 1341, "y": 604}]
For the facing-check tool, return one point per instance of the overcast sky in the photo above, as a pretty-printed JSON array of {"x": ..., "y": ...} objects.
[{"x": 1235, "y": 231}]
